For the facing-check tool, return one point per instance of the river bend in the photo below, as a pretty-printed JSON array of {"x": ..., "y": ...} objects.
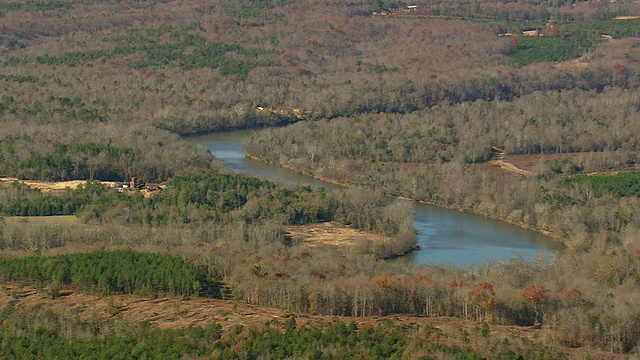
[{"x": 444, "y": 236}]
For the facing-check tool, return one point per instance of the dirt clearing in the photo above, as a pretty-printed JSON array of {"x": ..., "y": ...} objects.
[
  {"x": 176, "y": 312},
  {"x": 627, "y": 17},
  {"x": 53, "y": 186},
  {"x": 50, "y": 220},
  {"x": 331, "y": 234},
  {"x": 60, "y": 186}
]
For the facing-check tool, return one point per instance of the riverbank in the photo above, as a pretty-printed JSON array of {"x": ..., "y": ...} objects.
[
  {"x": 519, "y": 224},
  {"x": 445, "y": 236},
  {"x": 546, "y": 232}
]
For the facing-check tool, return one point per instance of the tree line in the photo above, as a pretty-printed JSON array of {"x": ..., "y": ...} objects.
[
  {"x": 32, "y": 333},
  {"x": 110, "y": 272},
  {"x": 108, "y": 152}
]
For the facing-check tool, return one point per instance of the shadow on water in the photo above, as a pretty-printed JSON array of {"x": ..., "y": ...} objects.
[{"x": 444, "y": 236}]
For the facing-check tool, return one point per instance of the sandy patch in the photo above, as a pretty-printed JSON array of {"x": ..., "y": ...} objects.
[
  {"x": 330, "y": 234},
  {"x": 51, "y": 186},
  {"x": 627, "y": 17},
  {"x": 510, "y": 167},
  {"x": 59, "y": 219},
  {"x": 59, "y": 186}
]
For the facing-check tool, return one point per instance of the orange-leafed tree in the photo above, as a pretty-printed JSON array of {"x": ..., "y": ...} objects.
[
  {"x": 571, "y": 297},
  {"x": 538, "y": 296},
  {"x": 483, "y": 300}
]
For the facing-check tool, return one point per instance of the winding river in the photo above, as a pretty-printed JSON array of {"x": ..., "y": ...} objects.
[{"x": 444, "y": 236}]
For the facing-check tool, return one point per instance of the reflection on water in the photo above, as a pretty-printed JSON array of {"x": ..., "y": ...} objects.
[
  {"x": 444, "y": 236},
  {"x": 447, "y": 236}
]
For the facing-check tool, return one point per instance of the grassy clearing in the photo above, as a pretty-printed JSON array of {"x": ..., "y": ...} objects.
[
  {"x": 619, "y": 184},
  {"x": 533, "y": 49}
]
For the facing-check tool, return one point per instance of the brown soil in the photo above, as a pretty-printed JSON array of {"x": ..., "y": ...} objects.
[
  {"x": 330, "y": 234},
  {"x": 532, "y": 161},
  {"x": 524, "y": 164},
  {"x": 59, "y": 186},
  {"x": 175, "y": 312},
  {"x": 510, "y": 167},
  {"x": 60, "y": 219},
  {"x": 580, "y": 63},
  {"x": 627, "y": 17},
  {"x": 52, "y": 186},
  {"x": 165, "y": 312}
]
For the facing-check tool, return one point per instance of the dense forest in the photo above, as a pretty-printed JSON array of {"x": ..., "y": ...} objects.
[{"x": 418, "y": 100}]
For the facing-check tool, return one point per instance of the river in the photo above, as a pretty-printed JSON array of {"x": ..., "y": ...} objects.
[{"x": 444, "y": 236}]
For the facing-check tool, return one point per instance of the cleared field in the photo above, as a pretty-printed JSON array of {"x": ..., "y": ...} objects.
[
  {"x": 179, "y": 312},
  {"x": 51, "y": 186},
  {"x": 331, "y": 234},
  {"x": 61, "y": 219}
]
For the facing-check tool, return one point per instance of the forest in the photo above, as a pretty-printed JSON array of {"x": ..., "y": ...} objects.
[{"x": 419, "y": 101}]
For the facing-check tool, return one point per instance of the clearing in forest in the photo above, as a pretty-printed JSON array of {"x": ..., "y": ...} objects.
[
  {"x": 179, "y": 312},
  {"x": 50, "y": 220},
  {"x": 53, "y": 186},
  {"x": 323, "y": 234}
]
